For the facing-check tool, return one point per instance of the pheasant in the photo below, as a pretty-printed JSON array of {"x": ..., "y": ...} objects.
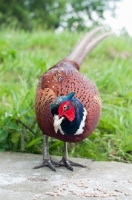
[{"x": 68, "y": 105}]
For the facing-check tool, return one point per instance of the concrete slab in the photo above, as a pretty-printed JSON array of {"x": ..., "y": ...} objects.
[{"x": 101, "y": 180}]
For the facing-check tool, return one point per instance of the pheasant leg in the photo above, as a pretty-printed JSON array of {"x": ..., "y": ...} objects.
[
  {"x": 66, "y": 162},
  {"x": 47, "y": 161}
]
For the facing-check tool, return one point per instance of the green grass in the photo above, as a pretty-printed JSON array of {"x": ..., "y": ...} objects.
[{"x": 24, "y": 57}]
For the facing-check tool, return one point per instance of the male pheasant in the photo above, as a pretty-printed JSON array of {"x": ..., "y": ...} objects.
[{"x": 68, "y": 105}]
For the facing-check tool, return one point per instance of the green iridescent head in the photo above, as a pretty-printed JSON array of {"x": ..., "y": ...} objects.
[{"x": 59, "y": 100}]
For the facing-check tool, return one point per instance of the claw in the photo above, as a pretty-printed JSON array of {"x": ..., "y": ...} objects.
[
  {"x": 68, "y": 164},
  {"x": 47, "y": 162}
]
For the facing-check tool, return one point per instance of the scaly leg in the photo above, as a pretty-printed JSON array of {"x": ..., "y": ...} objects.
[
  {"x": 46, "y": 156},
  {"x": 66, "y": 162},
  {"x": 47, "y": 161}
]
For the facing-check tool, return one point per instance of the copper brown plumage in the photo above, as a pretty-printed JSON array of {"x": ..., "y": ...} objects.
[{"x": 60, "y": 80}]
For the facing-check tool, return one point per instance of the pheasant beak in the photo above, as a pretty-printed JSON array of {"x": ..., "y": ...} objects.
[{"x": 57, "y": 122}]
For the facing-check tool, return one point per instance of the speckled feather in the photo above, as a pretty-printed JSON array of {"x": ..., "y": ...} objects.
[{"x": 62, "y": 79}]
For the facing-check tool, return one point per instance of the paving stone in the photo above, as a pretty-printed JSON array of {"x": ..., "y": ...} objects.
[{"x": 100, "y": 180}]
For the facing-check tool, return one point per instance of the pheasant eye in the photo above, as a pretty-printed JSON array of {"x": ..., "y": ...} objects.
[{"x": 64, "y": 107}]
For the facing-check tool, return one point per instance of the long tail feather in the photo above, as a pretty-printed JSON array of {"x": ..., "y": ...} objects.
[{"x": 86, "y": 45}]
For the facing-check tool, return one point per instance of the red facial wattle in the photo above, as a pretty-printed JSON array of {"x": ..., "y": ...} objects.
[{"x": 67, "y": 110}]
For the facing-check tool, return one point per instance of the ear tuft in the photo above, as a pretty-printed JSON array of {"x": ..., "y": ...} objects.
[{"x": 70, "y": 95}]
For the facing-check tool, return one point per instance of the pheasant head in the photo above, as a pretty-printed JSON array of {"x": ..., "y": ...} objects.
[{"x": 69, "y": 115}]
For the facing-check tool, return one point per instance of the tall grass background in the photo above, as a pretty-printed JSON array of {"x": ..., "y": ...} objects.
[{"x": 25, "y": 56}]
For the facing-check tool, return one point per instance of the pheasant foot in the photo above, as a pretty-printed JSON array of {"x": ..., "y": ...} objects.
[
  {"x": 68, "y": 164},
  {"x": 47, "y": 162}
]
